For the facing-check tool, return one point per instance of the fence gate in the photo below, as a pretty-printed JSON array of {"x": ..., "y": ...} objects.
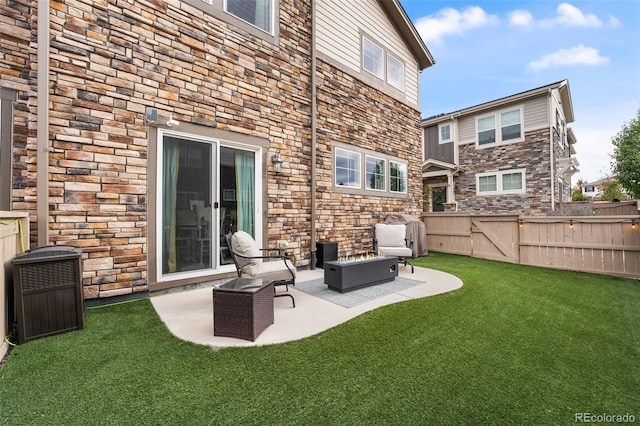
[{"x": 495, "y": 237}]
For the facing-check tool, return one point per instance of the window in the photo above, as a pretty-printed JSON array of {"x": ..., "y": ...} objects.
[
  {"x": 398, "y": 177},
  {"x": 256, "y": 12},
  {"x": 347, "y": 168},
  {"x": 372, "y": 58},
  {"x": 510, "y": 125},
  {"x": 395, "y": 72},
  {"x": 487, "y": 130},
  {"x": 383, "y": 175},
  {"x": 505, "y": 182},
  {"x": 375, "y": 169},
  {"x": 445, "y": 133}
]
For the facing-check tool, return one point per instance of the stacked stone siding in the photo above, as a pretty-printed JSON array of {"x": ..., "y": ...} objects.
[
  {"x": 353, "y": 113},
  {"x": 111, "y": 60},
  {"x": 533, "y": 154}
]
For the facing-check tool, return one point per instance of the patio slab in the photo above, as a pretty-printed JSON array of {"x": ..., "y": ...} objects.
[{"x": 189, "y": 314}]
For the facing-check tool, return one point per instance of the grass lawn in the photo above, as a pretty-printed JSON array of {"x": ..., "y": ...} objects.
[{"x": 515, "y": 345}]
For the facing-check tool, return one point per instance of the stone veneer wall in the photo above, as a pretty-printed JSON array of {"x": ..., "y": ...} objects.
[
  {"x": 112, "y": 60},
  {"x": 353, "y": 113},
  {"x": 533, "y": 155},
  {"x": 109, "y": 62},
  {"x": 18, "y": 72}
]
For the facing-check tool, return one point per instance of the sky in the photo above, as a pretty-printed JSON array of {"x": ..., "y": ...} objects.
[{"x": 485, "y": 50}]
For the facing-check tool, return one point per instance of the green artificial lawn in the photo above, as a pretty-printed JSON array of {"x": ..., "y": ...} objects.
[{"x": 515, "y": 345}]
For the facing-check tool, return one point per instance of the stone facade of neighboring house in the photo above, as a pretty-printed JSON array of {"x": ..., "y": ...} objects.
[
  {"x": 513, "y": 154},
  {"x": 99, "y": 163}
]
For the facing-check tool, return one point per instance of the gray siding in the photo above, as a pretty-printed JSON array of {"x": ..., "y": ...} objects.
[{"x": 434, "y": 150}]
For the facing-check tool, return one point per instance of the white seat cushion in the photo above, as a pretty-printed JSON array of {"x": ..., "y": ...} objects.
[
  {"x": 391, "y": 235},
  {"x": 276, "y": 270},
  {"x": 395, "y": 251},
  {"x": 244, "y": 244}
]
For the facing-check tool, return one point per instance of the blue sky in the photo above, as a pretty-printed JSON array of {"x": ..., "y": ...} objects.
[{"x": 486, "y": 50}]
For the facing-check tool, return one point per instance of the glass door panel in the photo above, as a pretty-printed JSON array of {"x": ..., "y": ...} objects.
[{"x": 186, "y": 202}]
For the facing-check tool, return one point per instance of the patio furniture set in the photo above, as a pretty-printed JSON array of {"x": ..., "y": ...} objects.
[{"x": 243, "y": 307}]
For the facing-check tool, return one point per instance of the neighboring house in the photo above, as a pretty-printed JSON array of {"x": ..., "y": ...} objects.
[
  {"x": 595, "y": 189},
  {"x": 143, "y": 131},
  {"x": 513, "y": 154}
]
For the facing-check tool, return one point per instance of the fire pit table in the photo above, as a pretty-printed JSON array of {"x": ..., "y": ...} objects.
[
  {"x": 353, "y": 273},
  {"x": 242, "y": 308}
]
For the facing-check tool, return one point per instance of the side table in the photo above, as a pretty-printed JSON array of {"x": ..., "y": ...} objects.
[{"x": 242, "y": 308}]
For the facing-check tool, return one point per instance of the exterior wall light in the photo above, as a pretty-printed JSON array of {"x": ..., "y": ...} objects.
[{"x": 277, "y": 161}]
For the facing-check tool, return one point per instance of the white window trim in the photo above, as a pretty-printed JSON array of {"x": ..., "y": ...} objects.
[
  {"x": 499, "y": 190},
  {"x": 498, "y": 128},
  {"x": 441, "y": 141},
  {"x": 385, "y": 173}
]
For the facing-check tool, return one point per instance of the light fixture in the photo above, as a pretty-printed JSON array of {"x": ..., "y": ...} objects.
[
  {"x": 277, "y": 161},
  {"x": 633, "y": 224},
  {"x": 521, "y": 223},
  {"x": 172, "y": 122},
  {"x": 571, "y": 223}
]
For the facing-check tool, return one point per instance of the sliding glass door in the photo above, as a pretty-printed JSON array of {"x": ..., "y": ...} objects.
[{"x": 205, "y": 190}]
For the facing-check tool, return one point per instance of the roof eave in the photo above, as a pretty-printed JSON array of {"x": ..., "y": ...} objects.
[{"x": 401, "y": 21}]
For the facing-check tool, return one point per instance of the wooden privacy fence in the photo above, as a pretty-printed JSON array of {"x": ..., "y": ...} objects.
[
  {"x": 14, "y": 239},
  {"x": 599, "y": 244}
]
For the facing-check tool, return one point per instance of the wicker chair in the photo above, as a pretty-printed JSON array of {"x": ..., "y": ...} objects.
[
  {"x": 251, "y": 261},
  {"x": 391, "y": 240}
]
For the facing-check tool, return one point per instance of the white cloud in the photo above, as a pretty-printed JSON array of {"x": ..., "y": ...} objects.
[
  {"x": 570, "y": 15},
  {"x": 520, "y": 18},
  {"x": 449, "y": 21},
  {"x": 578, "y": 55},
  {"x": 613, "y": 21}
]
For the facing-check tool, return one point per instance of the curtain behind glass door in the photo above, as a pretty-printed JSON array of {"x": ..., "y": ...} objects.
[{"x": 187, "y": 231}]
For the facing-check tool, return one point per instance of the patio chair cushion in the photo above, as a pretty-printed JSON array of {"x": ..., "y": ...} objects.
[
  {"x": 245, "y": 245},
  {"x": 391, "y": 235},
  {"x": 277, "y": 270}
]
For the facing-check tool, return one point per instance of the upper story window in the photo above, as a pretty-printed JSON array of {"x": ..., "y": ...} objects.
[
  {"x": 503, "y": 182},
  {"x": 395, "y": 73},
  {"x": 503, "y": 127},
  {"x": 372, "y": 58},
  {"x": 444, "y": 132},
  {"x": 256, "y": 12},
  {"x": 381, "y": 173},
  {"x": 383, "y": 65},
  {"x": 375, "y": 173},
  {"x": 347, "y": 168}
]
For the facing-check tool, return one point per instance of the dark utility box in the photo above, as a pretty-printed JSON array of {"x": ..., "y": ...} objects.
[
  {"x": 325, "y": 252},
  {"x": 48, "y": 291}
]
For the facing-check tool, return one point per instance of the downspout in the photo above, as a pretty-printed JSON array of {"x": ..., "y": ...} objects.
[
  {"x": 42, "y": 141},
  {"x": 314, "y": 110},
  {"x": 551, "y": 166}
]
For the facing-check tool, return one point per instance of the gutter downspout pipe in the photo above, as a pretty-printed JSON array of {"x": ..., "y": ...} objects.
[
  {"x": 42, "y": 138},
  {"x": 551, "y": 159},
  {"x": 314, "y": 111}
]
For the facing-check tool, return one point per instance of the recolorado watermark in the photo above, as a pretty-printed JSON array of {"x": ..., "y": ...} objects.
[{"x": 604, "y": 418}]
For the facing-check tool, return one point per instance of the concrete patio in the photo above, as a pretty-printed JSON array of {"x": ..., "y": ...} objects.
[{"x": 189, "y": 314}]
